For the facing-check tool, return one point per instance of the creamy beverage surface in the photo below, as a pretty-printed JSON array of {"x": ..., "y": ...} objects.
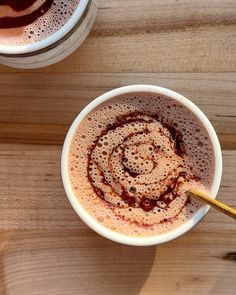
[
  {"x": 132, "y": 160},
  {"x": 25, "y": 22}
]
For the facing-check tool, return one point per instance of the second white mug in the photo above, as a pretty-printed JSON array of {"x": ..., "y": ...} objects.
[{"x": 57, "y": 46}]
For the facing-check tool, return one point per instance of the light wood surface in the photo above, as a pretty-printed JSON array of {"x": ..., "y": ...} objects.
[
  {"x": 157, "y": 36},
  {"x": 186, "y": 45}
]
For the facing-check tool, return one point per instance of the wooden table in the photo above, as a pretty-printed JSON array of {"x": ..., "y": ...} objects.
[{"x": 186, "y": 45}]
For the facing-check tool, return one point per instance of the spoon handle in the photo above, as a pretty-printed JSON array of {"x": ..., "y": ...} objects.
[{"x": 214, "y": 203}]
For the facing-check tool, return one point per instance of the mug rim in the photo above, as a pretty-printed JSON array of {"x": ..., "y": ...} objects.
[
  {"x": 115, "y": 236},
  {"x": 63, "y": 31}
]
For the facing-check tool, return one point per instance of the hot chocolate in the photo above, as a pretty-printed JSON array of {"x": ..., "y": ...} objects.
[
  {"x": 133, "y": 159},
  {"x": 30, "y": 21}
]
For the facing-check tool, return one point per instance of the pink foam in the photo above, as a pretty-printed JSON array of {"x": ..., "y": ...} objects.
[{"x": 139, "y": 158}]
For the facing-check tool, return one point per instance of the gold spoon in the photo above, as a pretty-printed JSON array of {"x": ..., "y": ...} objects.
[{"x": 213, "y": 203}]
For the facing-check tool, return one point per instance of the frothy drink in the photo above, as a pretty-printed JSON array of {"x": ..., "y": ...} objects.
[
  {"x": 38, "y": 33},
  {"x": 133, "y": 159},
  {"x": 25, "y": 22}
]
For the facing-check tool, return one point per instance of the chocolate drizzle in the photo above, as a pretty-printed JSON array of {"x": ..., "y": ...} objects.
[
  {"x": 17, "y": 5},
  {"x": 23, "y": 20},
  {"x": 124, "y": 198},
  {"x": 177, "y": 137}
]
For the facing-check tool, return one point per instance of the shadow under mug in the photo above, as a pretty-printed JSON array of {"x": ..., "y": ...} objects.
[
  {"x": 56, "y": 47},
  {"x": 115, "y": 236}
]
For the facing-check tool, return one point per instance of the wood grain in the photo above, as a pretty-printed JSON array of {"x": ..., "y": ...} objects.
[
  {"x": 75, "y": 262},
  {"x": 38, "y": 108},
  {"x": 185, "y": 45},
  {"x": 156, "y": 36}
]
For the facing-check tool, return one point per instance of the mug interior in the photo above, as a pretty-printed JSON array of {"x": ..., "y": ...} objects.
[
  {"x": 150, "y": 240},
  {"x": 5, "y": 49}
]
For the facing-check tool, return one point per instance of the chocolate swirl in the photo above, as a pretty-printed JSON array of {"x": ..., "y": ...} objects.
[
  {"x": 139, "y": 163},
  {"x": 23, "y": 20}
]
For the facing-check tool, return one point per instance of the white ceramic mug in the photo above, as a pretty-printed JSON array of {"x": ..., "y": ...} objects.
[
  {"x": 56, "y": 47},
  {"x": 99, "y": 228}
]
